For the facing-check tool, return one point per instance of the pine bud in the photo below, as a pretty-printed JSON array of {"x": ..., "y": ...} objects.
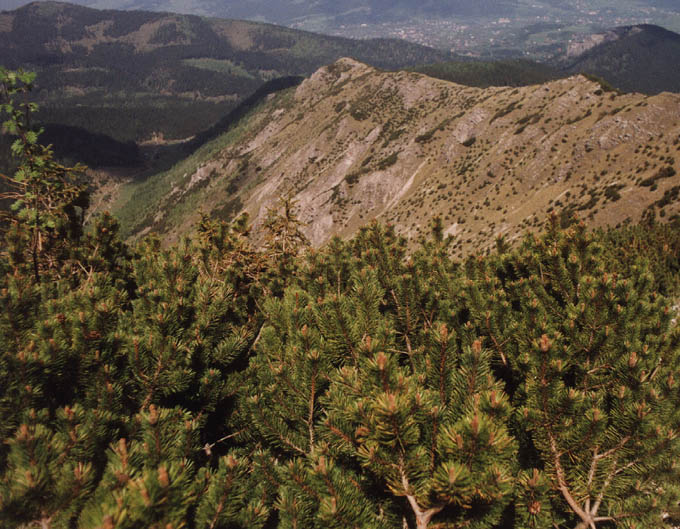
[
  {"x": 474, "y": 425},
  {"x": 391, "y": 402},
  {"x": 477, "y": 346},
  {"x": 145, "y": 495},
  {"x": 24, "y": 434},
  {"x": 492, "y": 437},
  {"x": 381, "y": 360},
  {"x": 632, "y": 361},
  {"x": 163, "y": 478},
  {"x": 232, "y": 462},
  {"x": 108, "y": 522},
  {"x": 79, "y": 472},
  {"x": 153, "y": 414},
  {"x": 533, "y": 481},
  {"x": 545, "y": 343},
  {"x": 444, "y": 332},
  {"x": 122, "y": 449}
]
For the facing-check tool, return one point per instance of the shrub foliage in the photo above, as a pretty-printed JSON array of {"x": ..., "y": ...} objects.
[{"x": 360, "y": 385}]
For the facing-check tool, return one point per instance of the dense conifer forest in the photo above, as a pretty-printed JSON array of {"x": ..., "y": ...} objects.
[{"x": 215, "y": 384}]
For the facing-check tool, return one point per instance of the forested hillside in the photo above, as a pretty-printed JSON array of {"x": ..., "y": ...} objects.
[
  {"x": 491, "y": 73},
  {"x": 639, "y": 58},
  {"x": 131, "y": 74},
  {"x": 365, "y": 384}
]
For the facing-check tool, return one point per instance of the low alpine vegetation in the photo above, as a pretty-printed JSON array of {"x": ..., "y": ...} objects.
[{"x": 362, "y": 385}]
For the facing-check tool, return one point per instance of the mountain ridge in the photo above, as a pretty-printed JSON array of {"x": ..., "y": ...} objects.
[{"x": 351, "y": 144}]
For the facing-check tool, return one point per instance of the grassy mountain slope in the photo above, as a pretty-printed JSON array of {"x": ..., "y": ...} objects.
[
  {"x": 129, "y": 74},
  {"x": 640, "y": 58},
  {"x": 351, "y": 144}
]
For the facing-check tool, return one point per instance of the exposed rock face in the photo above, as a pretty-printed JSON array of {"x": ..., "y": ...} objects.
[{"x": 352, "y": 144}]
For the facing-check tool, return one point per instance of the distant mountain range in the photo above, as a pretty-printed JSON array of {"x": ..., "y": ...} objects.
[
  {"x": 288, "y": 11},
  {"x": 132, "y": 74},
  {"x": 642, "y": 58},
  {"x": 345, "y": 11}
]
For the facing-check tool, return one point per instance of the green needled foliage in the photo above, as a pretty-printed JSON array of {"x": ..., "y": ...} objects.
[
  {"x": 592, "y": 367},
  {"x": 386, "y": 419},
  {"x": 214, "y": 385},
  {"x": 48, "y": 199},
  {"x": 438, "y": 441}
]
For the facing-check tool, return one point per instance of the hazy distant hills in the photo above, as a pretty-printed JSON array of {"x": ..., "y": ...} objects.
[
  {"x": 642, "y": 58},
  {"x": 130, "y": 74},
  {"x": 288, "y": 11},
  {"x": 347, "y": 11},
  {"x": 352, "y": 143}
]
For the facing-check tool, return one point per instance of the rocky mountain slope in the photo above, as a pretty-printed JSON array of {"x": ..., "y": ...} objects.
[{"x": 352, "y": 144}]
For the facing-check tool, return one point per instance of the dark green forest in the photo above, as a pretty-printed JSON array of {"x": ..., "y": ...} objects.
[
  {"x": 640, "y": 59},
  {"x": 215, "y": 384},
  {"x": 511, "y": 72}
]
